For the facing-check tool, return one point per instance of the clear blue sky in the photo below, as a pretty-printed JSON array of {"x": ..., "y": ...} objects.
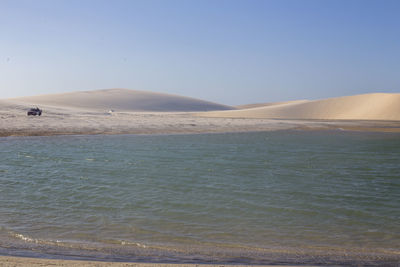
[{"x": 231, "y": 52}]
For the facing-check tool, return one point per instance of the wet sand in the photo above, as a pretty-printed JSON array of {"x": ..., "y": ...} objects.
[{"x": 7, "y": 261}]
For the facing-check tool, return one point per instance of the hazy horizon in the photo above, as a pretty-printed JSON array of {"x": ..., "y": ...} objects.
[{"x": 229, "y": 52}]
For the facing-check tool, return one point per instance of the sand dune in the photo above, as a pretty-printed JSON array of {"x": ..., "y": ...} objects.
[
  {"x": 258, "y": 105},
  {"x": 377, "y": 106},
  {"x": 121, "y": 100},
  {"x": 86, "y": 113}
]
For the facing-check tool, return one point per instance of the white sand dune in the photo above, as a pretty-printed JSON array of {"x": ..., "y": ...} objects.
[
  {"x": 376, "y": 106},
  {"x": 258, "y": 105},
  {"x": 85, "y": 113},
  {"x": 121, "y": 100}
]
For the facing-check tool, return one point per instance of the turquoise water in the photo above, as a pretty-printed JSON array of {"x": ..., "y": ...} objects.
[{"x": 288, "y": 197}]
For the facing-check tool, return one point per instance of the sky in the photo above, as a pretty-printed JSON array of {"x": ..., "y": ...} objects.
[{"x": 230, "y": 52}]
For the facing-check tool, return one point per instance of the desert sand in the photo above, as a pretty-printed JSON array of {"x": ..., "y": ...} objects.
[
  {"x": 257, "y": 105},
  {"x": 122, "y": 100},
  {"x": 122, "y": 111},
  {"x": 378, "y": 106}
]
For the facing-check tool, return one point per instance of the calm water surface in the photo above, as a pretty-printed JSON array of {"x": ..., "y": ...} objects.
[{"x": 276, "y": 197}]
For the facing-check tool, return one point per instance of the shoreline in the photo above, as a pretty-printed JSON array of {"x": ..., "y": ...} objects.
[
  {"x": 318, "y": 256},
  {"x": 338, "y": 260},
  {"x": 8, "y": 261},
  {"x": 171, "y": 123},
  {"x": 95, "y": 133},
  {"x": 305, "y": 128}
]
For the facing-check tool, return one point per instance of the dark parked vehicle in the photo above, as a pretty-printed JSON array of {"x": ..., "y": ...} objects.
[{"x": 34, "y": 112}]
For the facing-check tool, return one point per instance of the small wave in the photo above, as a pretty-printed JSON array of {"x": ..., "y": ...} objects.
[
  {"x": 124, "y": 243},
  {"x": 26, "y": 238},
  {"x": 29, "y": 239},
  {"x": 133, "y": 251}
]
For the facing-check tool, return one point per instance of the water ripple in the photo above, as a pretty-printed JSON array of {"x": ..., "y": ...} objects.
[{"x": 263, "y": 191}]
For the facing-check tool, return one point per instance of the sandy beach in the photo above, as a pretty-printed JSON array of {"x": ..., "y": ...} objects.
[
  {"x": 122, "y": 111},
  {"x": 7, "y": 261}
]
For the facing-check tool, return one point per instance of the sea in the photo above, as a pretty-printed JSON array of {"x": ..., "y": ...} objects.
[{"x": 280, "y": 197}]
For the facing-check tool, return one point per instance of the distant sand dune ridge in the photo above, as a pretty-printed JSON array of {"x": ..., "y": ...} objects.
[
  {"x": 376, "y": 106},
  {"x": 122, "y": 100}
]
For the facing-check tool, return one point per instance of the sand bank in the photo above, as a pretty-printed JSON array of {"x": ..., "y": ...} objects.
[
  {"x": 14, "y": 122},
  {"x": 121, "y": 111}
]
